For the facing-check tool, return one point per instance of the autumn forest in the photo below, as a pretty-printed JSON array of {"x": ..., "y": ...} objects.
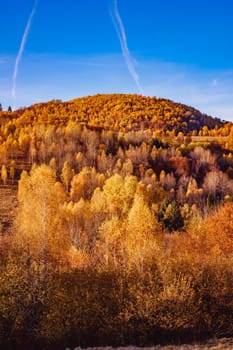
[{"x": 116, "y": 224}]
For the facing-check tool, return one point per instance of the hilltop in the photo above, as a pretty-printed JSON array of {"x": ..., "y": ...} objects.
[{"x": 119, "y": 112}]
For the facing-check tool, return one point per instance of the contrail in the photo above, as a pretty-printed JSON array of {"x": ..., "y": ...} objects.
[
  {"x": 21, "y": 49},
  {"x": 124, "y": 46}
]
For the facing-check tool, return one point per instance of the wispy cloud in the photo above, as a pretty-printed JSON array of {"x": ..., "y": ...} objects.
[
  {"x": 21, "y": 49},
  {"x": 129, "y": 60},
  {"x": 66, "y": 77},
  {"x": 192, "y": 86}
]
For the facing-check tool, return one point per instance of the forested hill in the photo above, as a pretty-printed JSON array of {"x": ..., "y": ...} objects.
[
  {"x": 119, "y": 112},
  {"x": 116, "y": 224},
  {"x": 140, "y": 112}
]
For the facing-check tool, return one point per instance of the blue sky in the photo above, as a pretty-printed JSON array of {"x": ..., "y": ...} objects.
[{"x": 181, "y": 50}]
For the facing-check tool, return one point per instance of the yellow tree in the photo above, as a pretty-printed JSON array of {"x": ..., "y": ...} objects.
[
  {"x": 119, "y": 194},
  {"x": 76, "y": 218},
  {"x": 84, "y": 183},
  {"x": 12, "y": 170},
  {"x": 217, "y": 232},
  {"x": 40, "y": 242},
  {"x": 40, "y": 228},
  {"x": 53, "y": 164},
  {"x": 67, "y": 174},
  {"x": 143, "y": 236},
  {"x": 78, "y": 160},
  {"x": 110, "y": 246},
  {"x": 32, "y": 149},
  {"x": 4, "y": 174}
]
